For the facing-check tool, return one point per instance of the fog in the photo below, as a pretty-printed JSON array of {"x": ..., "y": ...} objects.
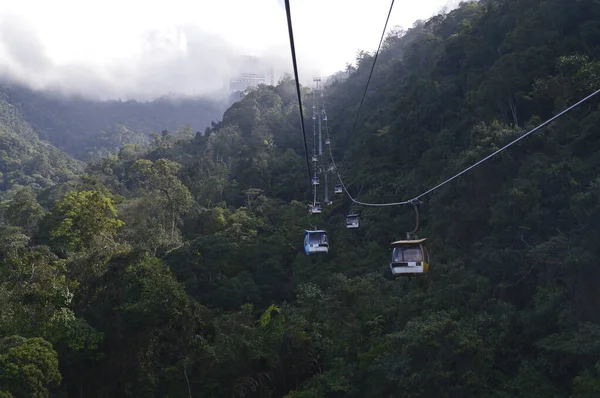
[
  {"x": 111, "y": 52},
  {"x": 184, "y": 60}
]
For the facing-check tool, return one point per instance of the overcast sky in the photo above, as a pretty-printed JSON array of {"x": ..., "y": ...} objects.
[{"x": 145, "y": 48}]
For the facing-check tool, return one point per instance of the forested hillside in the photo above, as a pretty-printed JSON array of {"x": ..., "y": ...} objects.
[
  {"x": 25, "y": 161},
  {"x": 86, "y": 128},
  {"x": 176, "y": 269}
]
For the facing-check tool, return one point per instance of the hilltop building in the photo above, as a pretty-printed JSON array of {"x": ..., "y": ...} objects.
[{"x": 253, "y": 72}]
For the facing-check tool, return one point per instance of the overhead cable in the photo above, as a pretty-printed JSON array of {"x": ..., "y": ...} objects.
[
  {"x": 293, "y": 48},
  {"x": 370, "y": 75},
  {"x": 418, "y": 197},
  {"x": 373, "y": 66}
]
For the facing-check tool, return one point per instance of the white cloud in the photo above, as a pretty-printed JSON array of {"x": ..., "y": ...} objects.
[{"x": 135, "y": 48}]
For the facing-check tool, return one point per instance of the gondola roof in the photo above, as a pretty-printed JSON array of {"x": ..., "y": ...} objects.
[{"x": 408, "y": 242}]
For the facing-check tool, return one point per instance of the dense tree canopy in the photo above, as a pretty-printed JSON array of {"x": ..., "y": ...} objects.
[
  {"x": 87, "y": 128},
  {"x": 174, "y": 267}
]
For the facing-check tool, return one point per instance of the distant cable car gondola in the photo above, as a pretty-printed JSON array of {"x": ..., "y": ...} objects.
[
  {"x": 315, "y": 241},
  {"x": 338, "y": 188},
  {"x": 315, "y": 180},
  {"x": 327, "y": 141},
  {"x": 314, "y": 158},
  {"x": 315, "y": 208},
  {"x": 409, "y": 257},
  {"x": 352, "y": 221}
]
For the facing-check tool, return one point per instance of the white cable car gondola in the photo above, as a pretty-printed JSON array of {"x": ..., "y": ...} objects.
[
  {"x": 409, "y": 257},
  {"x": 315, "y": 180},
  {"x": 327, "y": 141},
  {"x": 338, "y": 188},
  {"x": 352, "y": 221},
  {"x": 315, "y": 241},
  {"x": 315, "y": 208}
]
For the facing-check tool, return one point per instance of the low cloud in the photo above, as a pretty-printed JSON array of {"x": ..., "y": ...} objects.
[{"x": 183, "y": 61}]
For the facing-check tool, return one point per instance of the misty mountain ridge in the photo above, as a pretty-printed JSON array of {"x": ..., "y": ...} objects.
[
  {"x": 87, "y": 128},
  {"x": 25, "y": 160}
]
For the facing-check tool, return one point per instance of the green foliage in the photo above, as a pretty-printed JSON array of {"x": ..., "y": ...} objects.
[
  {"x": 12, "y": 240},
  {"x": 72, "y": 334},
  {"x": 587, "y": 384},
  {"x": 85, "y": 220},
  {"x": 205, "y": 290},
  {"x": 27, "y": 367},
  {"x": 149, "y": 324},
  {"x": 24, "y": 211},
  {"x": 25, "y": 161},
  {"x": 170, "y": 198},
  {"x": 87, "y": 128}
]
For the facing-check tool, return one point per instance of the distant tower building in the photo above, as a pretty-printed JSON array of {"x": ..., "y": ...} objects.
[{"x": 254, "y": 71}]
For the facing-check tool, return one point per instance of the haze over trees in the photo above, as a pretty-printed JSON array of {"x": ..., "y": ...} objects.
[
  {"x": 175, "y": 268},
  {"x": 92, "y": 129}
]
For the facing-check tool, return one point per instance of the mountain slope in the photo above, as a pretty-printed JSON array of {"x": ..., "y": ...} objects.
[
  {"x": 85, "y": 128},
  {"x": 24, "y": 159},
  {"x": 177, "y": 269}
]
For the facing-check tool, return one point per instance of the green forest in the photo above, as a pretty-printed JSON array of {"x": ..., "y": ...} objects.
[
  {"x": 175, "y": 267},
  {"x": 88, "y": 129}
]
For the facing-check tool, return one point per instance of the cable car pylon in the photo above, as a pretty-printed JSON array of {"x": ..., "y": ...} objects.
[{"x": 314, "y": 207}]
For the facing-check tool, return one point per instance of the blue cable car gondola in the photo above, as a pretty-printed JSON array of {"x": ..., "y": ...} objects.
[{"x": 315, "y": 241}]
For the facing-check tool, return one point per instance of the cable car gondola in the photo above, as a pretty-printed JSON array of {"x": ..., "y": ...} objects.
[
  {"x": 315, "y": 180},
  {"x": 315, "y": 241},
  {"x": 315, "y": 208},
  {"x": 352, "y": 221},
  {"x": 338, "y": 188},
  {"x": 409, "y": 257},
  {"x": 327, "y": 141}
]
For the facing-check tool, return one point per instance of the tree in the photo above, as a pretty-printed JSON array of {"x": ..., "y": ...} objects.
[
  {"x": 23, "y": 210},
  {"x": 85, "y": 220},
  {"x": 160, "y": 179},
  {"x": 12, "y": 240},
  {"x": 28, "y": 367}
]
